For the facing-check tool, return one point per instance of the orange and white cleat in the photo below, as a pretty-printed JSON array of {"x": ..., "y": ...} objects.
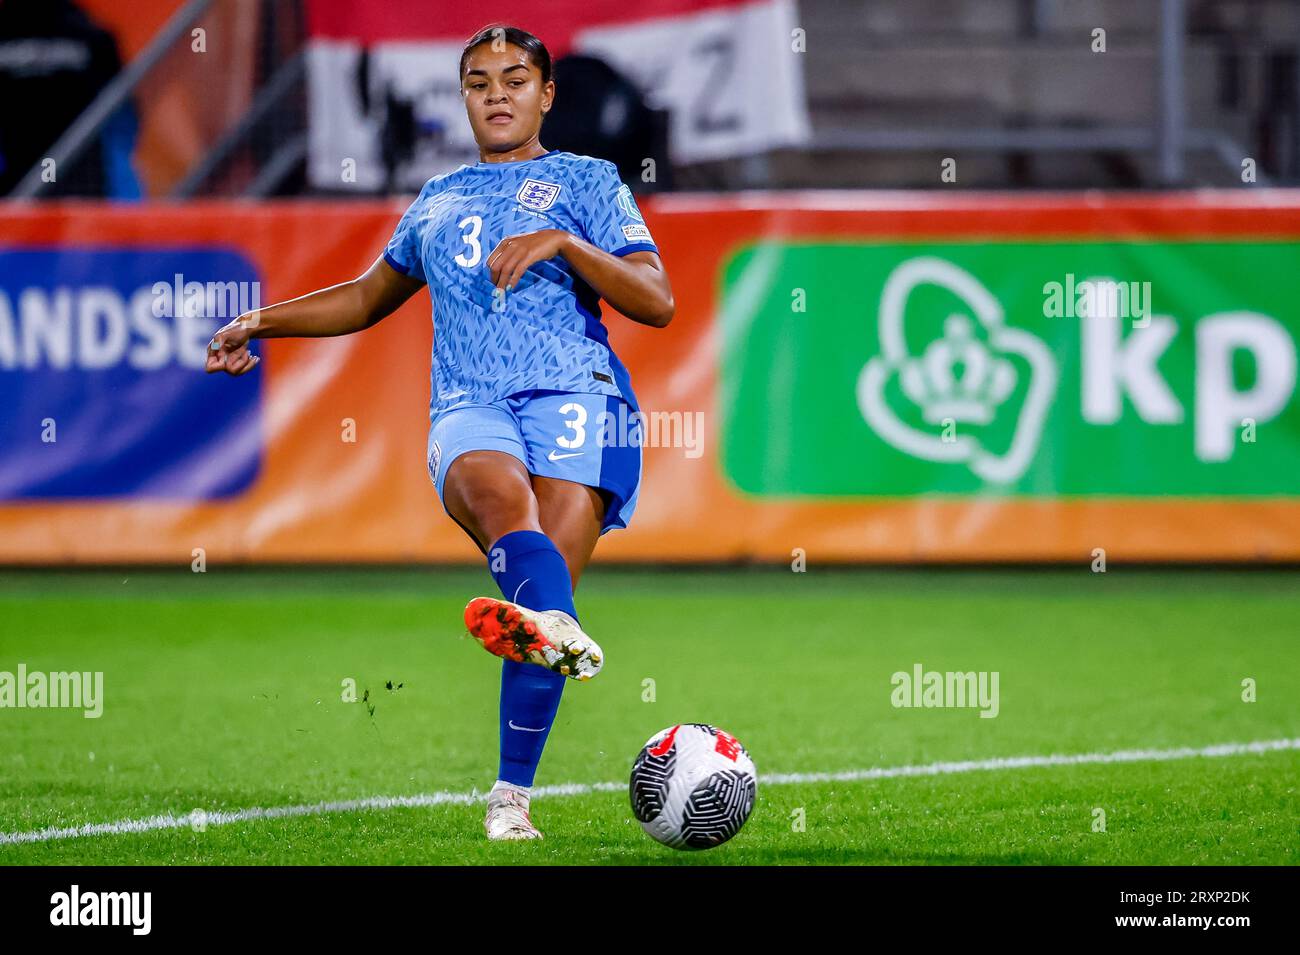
[
  {"x": 549, "y": 638},
  {"x": 507, "y": 816}
]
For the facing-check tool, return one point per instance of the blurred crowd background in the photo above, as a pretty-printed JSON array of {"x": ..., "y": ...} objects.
[{"x": 270, "y": 97}]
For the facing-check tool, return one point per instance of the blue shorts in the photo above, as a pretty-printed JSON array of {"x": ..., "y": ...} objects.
[{"x": 588, "y": 439}]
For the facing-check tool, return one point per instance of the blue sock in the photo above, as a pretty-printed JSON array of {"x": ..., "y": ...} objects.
[{"x": 532, "y": 573}]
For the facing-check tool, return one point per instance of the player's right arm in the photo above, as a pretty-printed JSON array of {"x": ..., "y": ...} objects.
[{"x": 337, "y": 310}]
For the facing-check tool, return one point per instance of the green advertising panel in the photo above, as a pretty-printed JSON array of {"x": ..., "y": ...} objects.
[{"x": 1133, "y": 369}]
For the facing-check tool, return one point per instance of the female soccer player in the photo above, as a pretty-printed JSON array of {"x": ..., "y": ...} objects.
[{"x": 517, "y": 251}]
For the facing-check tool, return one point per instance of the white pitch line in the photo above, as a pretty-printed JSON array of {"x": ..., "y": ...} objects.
[
  {"x": 424, "y": 800},
  {"x": 1031, "y": 762}
]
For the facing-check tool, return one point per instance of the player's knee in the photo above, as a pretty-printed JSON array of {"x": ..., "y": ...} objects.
[
  {"x": 497, "y": 514},
  {"x": 495, "y": 507}
]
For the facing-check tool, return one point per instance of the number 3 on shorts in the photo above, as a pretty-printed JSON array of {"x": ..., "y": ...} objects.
[{"x": 575, "y": 425}]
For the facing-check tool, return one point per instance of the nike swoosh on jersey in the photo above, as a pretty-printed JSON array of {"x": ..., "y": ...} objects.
[{"x": 557, "y": 456}]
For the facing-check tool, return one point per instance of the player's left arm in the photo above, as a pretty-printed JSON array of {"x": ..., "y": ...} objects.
[{"x": 635, "y": 284}]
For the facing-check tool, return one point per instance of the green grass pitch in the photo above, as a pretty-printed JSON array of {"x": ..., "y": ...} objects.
[{"x": 223, "y": 691}]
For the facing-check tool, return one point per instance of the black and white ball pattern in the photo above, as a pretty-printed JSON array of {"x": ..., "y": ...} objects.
[{"x": 693, "y": 786}]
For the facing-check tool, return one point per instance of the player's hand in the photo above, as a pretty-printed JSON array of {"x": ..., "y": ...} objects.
[
  {"x": 228, "y": 350},
  {"x": 512, "y": 257}
]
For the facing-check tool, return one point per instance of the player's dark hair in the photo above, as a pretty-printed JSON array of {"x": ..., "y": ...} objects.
[{"x": 538, "y": 55}]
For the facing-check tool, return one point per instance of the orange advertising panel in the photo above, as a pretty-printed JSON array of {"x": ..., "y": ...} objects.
[{"x": 875, "y": 377}]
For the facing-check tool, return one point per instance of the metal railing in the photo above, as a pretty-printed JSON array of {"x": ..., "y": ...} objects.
[{"x": 86, "y": 128}]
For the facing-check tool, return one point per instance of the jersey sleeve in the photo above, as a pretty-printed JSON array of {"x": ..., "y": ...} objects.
[
  {"x": 610, "y": 216},
  {"x": 403, "y": 249}
]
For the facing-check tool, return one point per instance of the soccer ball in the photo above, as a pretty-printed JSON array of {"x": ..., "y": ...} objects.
[{"x": 693, "y": 786}]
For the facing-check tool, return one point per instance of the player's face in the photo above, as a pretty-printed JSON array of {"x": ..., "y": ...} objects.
[{"x": 504, "y": 97}]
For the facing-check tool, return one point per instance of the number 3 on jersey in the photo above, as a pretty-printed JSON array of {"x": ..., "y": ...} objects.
[{"x": 470, "y": 238}]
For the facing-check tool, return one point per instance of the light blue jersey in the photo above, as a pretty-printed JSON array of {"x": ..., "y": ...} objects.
[{"x": 546, "y": 332}]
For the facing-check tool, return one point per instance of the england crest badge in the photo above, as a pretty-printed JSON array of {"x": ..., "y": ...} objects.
[{"x": 538, "y": 195}]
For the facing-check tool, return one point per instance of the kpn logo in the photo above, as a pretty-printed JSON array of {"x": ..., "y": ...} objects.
[
  {"x": 976, "y": 394},
  {"x": 1089, "y": 384},
  {"x": 1129, "y": 369}
]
